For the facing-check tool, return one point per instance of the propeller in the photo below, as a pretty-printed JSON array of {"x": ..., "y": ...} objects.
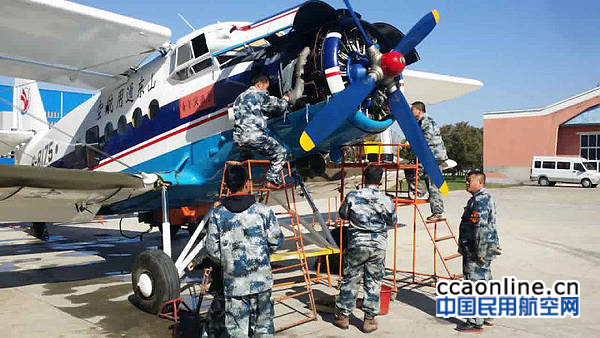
[
  {"x": 402, "y": 113},
  {"x": 384, "y": 67}
]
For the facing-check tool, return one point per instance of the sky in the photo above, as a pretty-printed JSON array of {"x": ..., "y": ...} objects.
[{"x": 528, "y": 53}]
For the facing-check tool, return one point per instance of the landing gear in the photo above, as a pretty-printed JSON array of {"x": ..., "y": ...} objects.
[
  {"x": 174, "y": 229},
  {"x": 154, "y": 279}
]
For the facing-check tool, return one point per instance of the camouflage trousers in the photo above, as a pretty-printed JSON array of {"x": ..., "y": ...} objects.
[
  {"x": 215, "y": 322},
  {"x": 359, "y": 261},
  {"x": 250, "y": 316},
  {"x": 267, "y": 146},
  {"x": 436, "y": 203},
  {"x": 473, "y": 271}
]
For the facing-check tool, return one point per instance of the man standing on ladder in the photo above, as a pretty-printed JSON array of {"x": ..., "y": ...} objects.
[
  {"x": 250, "y": 132},
  {"x": 434, "y": 139},
  {"x": 478, "y": 239},
  {"x": 370, "y": 212},
  {"x": 241, "y": 236}
]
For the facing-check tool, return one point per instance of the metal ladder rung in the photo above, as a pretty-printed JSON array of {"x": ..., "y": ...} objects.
[
  {"x": 456, "y": 255},
  {"x": 439, "y": 239},
  {"x": 435, "y": 221}
]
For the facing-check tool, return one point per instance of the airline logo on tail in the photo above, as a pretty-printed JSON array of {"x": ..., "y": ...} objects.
[{"x": 24, "y": 100}]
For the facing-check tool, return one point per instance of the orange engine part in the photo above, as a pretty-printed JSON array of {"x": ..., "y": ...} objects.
[{"x": 185, "y": 215}]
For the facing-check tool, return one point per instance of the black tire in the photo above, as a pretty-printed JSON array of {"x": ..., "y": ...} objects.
[
  {"x": 165, "y": 280},
  {"x": 38, "y": 230},
  {"x": 543, "y": 181},
  {"x": 586, "y": 183},
  {"x": 174, "y": 229}
]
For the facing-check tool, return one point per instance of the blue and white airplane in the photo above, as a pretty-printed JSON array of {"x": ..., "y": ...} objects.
[
  {"x": 170, "y": 119},
  {"x": 171, "y": 116}
]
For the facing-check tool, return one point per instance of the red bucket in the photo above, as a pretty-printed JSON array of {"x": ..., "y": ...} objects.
[{"x": 384, "y": 299}]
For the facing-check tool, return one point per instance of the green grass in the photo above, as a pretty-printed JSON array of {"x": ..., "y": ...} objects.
[
  {"x": 455, "y": 183},
  {"x": 458, "y": 183}
]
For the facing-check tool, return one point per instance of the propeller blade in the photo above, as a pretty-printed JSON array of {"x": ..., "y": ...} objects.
[
  {"x": 357, "y": 22},
  {"x": 419, "y": 32},
  {"x": 402, "y": 113},
  {"x": 336, "y": 112}
]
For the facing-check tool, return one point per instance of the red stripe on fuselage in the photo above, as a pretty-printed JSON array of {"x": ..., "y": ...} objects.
[
  {"x": 249, "y": 27},
  {"x": 162, "y": 138}
]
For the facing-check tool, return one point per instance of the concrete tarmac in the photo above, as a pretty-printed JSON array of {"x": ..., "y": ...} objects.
[{"x": 77, "y": 283}]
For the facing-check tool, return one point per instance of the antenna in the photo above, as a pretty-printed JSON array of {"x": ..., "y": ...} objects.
[{"x": 186, "y": 22}]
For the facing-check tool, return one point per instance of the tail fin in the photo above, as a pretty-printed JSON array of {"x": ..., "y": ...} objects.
[{"x": 28, "y": 106}]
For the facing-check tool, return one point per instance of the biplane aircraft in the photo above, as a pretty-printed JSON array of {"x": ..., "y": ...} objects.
[{"x": 168, "y": 121}]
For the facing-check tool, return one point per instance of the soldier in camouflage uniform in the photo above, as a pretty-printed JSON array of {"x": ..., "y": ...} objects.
[
  {"x": 434, "y": 139},
  {"x": 370, "y": 212},
  {"x": 250, "y": 132},
  {"x": 240, "y": 237},
  {"x": 478, "y": 239}
]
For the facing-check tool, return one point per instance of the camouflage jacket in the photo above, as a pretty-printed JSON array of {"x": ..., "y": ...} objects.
[
  {"x": 241, "y": 236},
  {"x": 249, "y": 108},
  {"x": 432, "y": 134},
  {"x": 478, "y": 236},
  {"x": 369, "y": 212}
]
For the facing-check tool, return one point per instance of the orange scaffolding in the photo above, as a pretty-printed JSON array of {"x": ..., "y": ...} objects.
[{"x": 391, "y": 167}]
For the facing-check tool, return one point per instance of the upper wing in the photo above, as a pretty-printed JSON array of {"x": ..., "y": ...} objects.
[
  {"x": 67, "y": 43},
  {"x": 433, "y": 88},
  {"x": 44, "y": 194}
]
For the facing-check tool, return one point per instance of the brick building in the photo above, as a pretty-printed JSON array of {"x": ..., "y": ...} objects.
[{"x": 567, "y": 128}]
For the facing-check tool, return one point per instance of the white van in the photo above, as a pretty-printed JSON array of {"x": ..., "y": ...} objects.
[{"x": 548, "y": 170}]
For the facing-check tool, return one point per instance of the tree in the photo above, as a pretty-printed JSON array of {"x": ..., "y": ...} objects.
[{"x": 464, "y": 144}]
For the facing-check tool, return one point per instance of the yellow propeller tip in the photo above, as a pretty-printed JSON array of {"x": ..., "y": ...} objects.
[
  {"x": 444, "y": 189},
  {"x": 436, "y": 15},
  {"x": 306, "y": 142}
]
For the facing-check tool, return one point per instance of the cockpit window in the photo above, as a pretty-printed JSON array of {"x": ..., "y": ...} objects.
[
  {"x": 200, "y": 66},
  {"x": 199, "y": 45},
  {"x": 184, "y": 54},
  {"x": 196, "y": 50}
]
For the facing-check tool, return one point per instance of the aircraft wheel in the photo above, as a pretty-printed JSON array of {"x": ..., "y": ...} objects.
[{"x": 154, "y": 279}]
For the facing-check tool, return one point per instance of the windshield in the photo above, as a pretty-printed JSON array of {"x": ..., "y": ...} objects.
[{"x": 591, "y": 166}]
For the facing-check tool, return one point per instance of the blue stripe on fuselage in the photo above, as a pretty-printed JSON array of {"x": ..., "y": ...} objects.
[{"x": 167, "y": 119}]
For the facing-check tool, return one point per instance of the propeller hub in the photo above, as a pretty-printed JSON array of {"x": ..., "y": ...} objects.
[{"x": 392, "y": 63}]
